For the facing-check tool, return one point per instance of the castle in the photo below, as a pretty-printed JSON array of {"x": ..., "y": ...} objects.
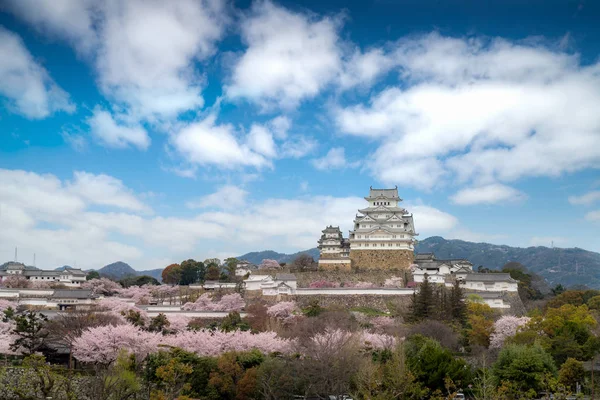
[{"x": 383, "y": 237}]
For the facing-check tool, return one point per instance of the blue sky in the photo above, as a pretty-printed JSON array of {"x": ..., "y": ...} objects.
[{"x": 151, "y": 132}]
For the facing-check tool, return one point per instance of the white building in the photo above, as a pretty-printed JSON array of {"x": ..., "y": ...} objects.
[
  {"x": 383, "y": 225},
  {"x": 334, "y": 249},
  {"x": 67, "y": 277},
  {"x": 438, "y": 270},
  {"x": 244, "y": 268},
  {"x": 489, "y": 282},
  {"x": 270, "y": 286}
]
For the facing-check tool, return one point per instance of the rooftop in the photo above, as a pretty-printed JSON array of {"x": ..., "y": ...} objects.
[
  {"x": 73, "y": 294},
  {"x": 387, "y": 193},
  {"x": 491, "y": 277}
]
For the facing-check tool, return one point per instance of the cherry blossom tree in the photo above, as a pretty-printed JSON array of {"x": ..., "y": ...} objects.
[
  {"x": 393, "y": 282},
  {"x": 102, "y": 286},
  {"x": 285, "y": 311},
  {"x": 380, "y": 323},
  {"x": 323, "y": 284},
  {"x": 228, "y": 303},
  {"x": 102, "y": 344},
  {"x": 7, "y": 337},
  {"x": 42, "y": 284},
  {"x": 16, "y": 281},
  {"x": 4, "y": 304},
  {"x": 269, "y": 264},
  {"x": 505, "y": 327},
  {"x": 120, "y": 308},
  {"x": 377, "y": 341},
  {"x": 178, "y": 322},
  {"x": 139, "y": 294}
]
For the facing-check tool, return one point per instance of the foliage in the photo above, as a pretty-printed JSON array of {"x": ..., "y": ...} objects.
[
  {"x": 313, "y": 309},
  {"x": 92, "y": 275},
  {"x": 480, "y": 323},
  {"x": 370, "y": 311},
  {"x": 304, "y": 262},
  {"x": 285, "y": 311},
  {"x": 139, "y": 281},
  {"x": 431, "y": 364},
  {"x": 525, "y": 367},
  {"x": 192, "y": 271},
  {"x": 437, "y": 302},
  {"x": 233, "y": 321},
  {"x": 527, "y": 287},
  {"x": 570, "y": 373},
  {"x": 438, "y": 331},
  {"x": 212, "y": 273},
  {"x": 30, "y": 332},
  {"x": 229, "y": 302},
  {"x": 171, "y": 275}
]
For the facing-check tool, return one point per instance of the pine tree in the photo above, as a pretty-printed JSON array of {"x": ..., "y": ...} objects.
[
  {"x": 30, "y": 331},
  {"x": 458, "y": 307}
]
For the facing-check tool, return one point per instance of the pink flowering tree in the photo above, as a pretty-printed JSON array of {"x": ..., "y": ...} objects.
[
  {"x": 377, "y": 341},
  {"x": 504, "y": 328},
  {"x": 269, "y": 264},
  {"x": 4, "y": 304},
  {"x": 323, "y": 284},
  {"x": 7, "y": 337},
  {"x": 139, "y": 294},
  {"x": 228, "y": 303},
  {"x": 102, "y": 344},
  {"x": 15, "y": 282},
  {"x": 121, "y": 309},
  {"x": 285, "y": 311},
  {"x": 380, "y": 323},
  {"x": 178, "y": 322},
  {"x": 102, "y": 286}
]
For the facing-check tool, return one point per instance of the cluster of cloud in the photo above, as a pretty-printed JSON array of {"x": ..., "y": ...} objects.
[
  {"x": 588, "y": 199},
  {"x": 478, "y": 111},
  {"x": 96, "y": 219}
]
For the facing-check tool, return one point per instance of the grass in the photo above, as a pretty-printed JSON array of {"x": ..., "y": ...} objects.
[{"x": 370, "y": 311}]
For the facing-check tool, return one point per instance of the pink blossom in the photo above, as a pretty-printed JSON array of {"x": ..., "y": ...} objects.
[
  {"x": 119, "y": 307},
  {"x": 285, "y": 311},
  {"x": 4, "y": 304},
  {"x": 141, "y": 295},
  {"x": 7, "y": 337},
  {"x": 42, "y": 284},
  {"x": 269, "y": 264},
  {"x": 382, "y": 322},
  {"x": 228, "y": 303},
  {"x": 15, "y": 281},
  {"x": 377, "y": 341},
  {"x": 323, "y": 284},
  {"x": 178, "y": 322},
  {"x": 207, "y": 343},
  {"x": 102, "y": 286},
  {"x": 102, "y": 344},
  {"x": 504, "y": 328}
]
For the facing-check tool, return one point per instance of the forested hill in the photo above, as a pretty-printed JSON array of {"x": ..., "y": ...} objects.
[{"x": 570, "y": 267}]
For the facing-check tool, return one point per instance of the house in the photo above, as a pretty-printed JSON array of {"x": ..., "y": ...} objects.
[
  {"x": 60, "y": 298},
  {"x": 438, "y": 270},
  {"x": 490, "y": 282},
  {"x": 254, "y": 282},
  {"x": 68, "y": 276},
  {"x": 270, "y": 286},
  {"x": 494, "y": 300}
]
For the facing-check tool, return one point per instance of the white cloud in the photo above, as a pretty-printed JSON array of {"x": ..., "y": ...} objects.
[
  {"x": 227, "y": 197},
  {"x": 25, "y": 83},
  {"x": 54, "y": 218},
  {"x": 488, "y": 194},
  {"x": 206, "y": 143},
  {"x": 334, "y": 159},
  {"x": 104, "y": 190},
  {"x": 260, "y": 140},
  {"x": 297, "y": 146},
  {"x": 144, "y": 52},
  {"x": 593, "y": 216},
  {"x": 111, "y": 134},
  {"x": 290, "y": 56},
  {"x": 361, "y": 69},
  {"x": 480, "y": 111},
  {"x": 586, "y": 199}
]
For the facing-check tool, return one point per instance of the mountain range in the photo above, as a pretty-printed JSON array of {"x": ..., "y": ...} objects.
[{"x": 568, "y": 266}]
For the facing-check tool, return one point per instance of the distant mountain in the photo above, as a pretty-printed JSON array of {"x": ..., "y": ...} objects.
[
  {"x": 117, "y": 270},
  {"x": 256, "y": 257},
  {"x": 62, "y": 268},
  {"x": 155, "y": 273},
  {"x": 572, "y": 266}
]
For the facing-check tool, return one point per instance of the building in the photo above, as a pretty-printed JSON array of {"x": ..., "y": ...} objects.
[
  {"x": 68, "y": 276},
  {"x": 271, "y": 285},
  {"x": 490, "y": 282},
  {"x": 334, "y": 250},
  {"x": 244, "y": 268},
  {"x": 438, "y": 271},
  {"x": 384, "y": 233}
]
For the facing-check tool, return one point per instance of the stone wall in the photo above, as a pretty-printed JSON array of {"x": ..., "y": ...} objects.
[
  {"x": 345, "y": 302},
  {"x": 377, "y": 277},
  {"x": 381, "y": 259},
  {"x": 329, "y": 264}
]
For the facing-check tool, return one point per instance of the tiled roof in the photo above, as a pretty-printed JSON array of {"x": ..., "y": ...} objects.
[
  {"x": 73, "y": 294},
  {"x": 390, "y": 193},
  {"x": 285, "y": 277},
  {"x": 492, "y": 277}
]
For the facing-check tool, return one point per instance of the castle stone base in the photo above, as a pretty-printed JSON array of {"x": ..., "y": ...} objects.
[
  {"x": 381, "y": 259},
  {"x": 335, "y": 264}
]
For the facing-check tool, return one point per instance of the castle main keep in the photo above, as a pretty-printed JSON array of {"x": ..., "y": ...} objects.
[{"x": 383, "y": 237}]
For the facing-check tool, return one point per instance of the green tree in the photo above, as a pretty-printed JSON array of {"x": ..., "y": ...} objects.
[
  {"x": 30, "y": 331},
  {"x": 525, "y": 367},
  {"x": 92, "y": 275},
  {"x": 570, "y": 373},
  {"x": 160, "y": 323},
  {"x": 432, "y": 364},
  {"x": 192, "y": 271},
  {"x": 313, "y": 309},
  {"x": 231, "y": 265},
  {"x": 458, "y": 306},
  {"x": 423, "y": 302},
  {"x": 212, "y": 273},
  {"x": 233, "y": 322},
  {"x": 138, "y": 281}
]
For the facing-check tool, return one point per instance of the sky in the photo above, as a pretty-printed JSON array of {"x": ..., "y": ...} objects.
[{"x": 152, "y": 132}]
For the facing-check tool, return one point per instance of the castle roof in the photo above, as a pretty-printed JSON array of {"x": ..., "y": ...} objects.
[{"x": 387, "y": 193}]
